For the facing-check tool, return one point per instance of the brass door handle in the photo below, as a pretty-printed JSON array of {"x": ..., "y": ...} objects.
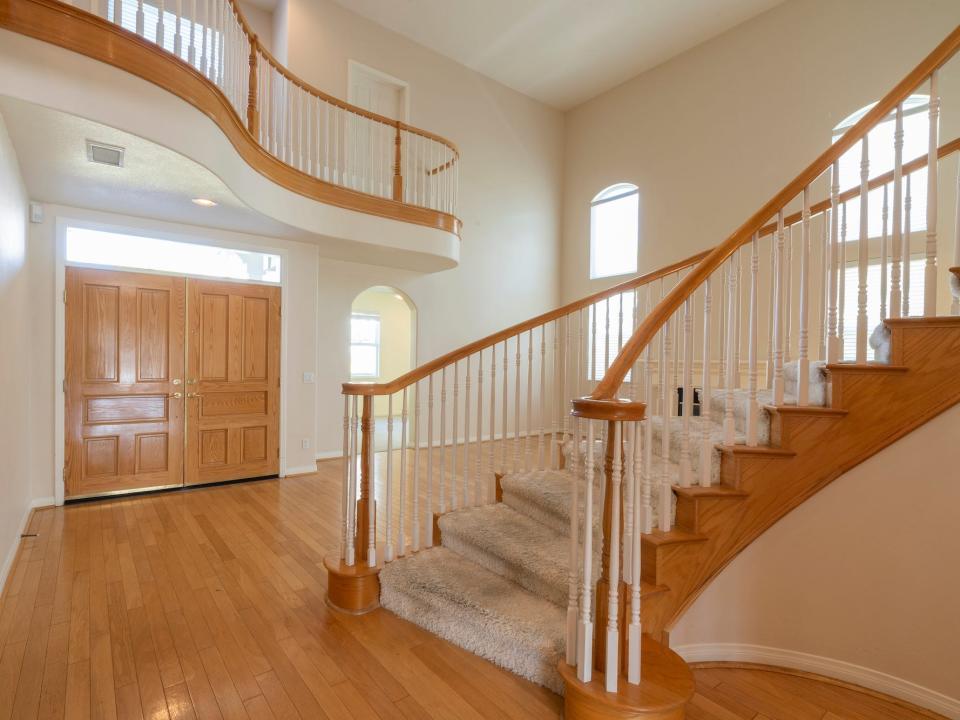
[
  {"x": 175, "y": 395},
  {"x": 193, "y": 395}
]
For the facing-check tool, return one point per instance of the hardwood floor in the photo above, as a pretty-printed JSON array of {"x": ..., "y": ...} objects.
[{"x": 209, "y": 603}]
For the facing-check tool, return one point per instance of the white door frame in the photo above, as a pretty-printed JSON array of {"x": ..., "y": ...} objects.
[
  {"x": 143, "y": 230},
  {"x": 356, "y": 69}
]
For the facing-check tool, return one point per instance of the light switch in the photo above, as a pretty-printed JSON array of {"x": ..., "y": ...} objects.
[
  {"x": 308, "y": 377},
  {"x": 305, "y": 443}
]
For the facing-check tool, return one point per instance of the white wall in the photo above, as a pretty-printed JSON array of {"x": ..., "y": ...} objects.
[
  {"x": 712, "y": 134},
  {"x": 865, "y": 572},
  {"x": 15, "y": 355}
]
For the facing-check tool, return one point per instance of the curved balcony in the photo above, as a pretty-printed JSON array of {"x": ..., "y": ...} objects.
[{"x": 365, "y": 168}]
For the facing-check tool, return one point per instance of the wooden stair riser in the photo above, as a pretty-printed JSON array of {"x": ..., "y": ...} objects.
[
  {"x": 691, "y": 510},
  {"x": 786, "y": 426}
]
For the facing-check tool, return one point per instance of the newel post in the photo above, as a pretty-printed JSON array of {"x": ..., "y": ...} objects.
[
  {"x": 253, "y": 112},
  {"x": 397, "y": 177}
]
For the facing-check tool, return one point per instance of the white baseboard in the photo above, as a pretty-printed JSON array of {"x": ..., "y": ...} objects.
[
  {"x": 327, "y": 454},
  {"x": 12, "y": 552},
  {"x": 839, "y": 669},
  {"x": 300, "y": 470},
  {"x": 48, "y": 501}
]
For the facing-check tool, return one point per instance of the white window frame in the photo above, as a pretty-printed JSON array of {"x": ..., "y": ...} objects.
[
  {"x": 375, "y": 344},
  {"x": 613, "y": 193}
]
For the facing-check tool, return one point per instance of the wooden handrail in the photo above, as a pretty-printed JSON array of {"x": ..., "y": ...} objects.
[
  {"x": 918, "y": 163},
  {"x": 444, "y": 360},
  {"x": 650, "y": 326}
]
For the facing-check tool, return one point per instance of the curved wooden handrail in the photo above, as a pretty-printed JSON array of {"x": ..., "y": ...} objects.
[
  {"x": 88, "y": 34},
  {"x": 612, "y": 379},
  {"x": 918, "y": 163},
  {"x": 431, "y": 367},
  {"x": 326, "y": 97}
]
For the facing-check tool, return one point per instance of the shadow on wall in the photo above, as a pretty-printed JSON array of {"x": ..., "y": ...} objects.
[{"x": 383, "y": 346}]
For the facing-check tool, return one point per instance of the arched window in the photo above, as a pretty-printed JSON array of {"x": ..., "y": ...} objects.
[
  {"x": 614, "y": 231},
  {"x": 916, "y": 128}
]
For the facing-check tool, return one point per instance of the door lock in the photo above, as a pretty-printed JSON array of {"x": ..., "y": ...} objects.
[
  {"x": 191, "y": 381},
  {"x": 176, "y": 381},
  {"x": 193, "y": 395}
]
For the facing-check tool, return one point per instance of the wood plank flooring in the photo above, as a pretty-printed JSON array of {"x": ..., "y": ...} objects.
[{"x": 209, "y": 603}]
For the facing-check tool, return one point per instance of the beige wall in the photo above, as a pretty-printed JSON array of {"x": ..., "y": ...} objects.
[
  {"x": 261, "y": 22},
  {"x": 397, "y": 337},
  {"x": 864, "y": 572},
  {"x": 15, "y": 355},
  {"x": 712, "y": 134}
]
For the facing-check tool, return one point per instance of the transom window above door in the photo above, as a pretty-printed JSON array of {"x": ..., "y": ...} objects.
[
  {"x": 87, "y": 246},
  {"x": 614, "y": 231}
]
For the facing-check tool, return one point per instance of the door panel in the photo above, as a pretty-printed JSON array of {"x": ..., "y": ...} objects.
[
  {"x": 124, "y": 361},
  {"x": 233, "y": 381}
]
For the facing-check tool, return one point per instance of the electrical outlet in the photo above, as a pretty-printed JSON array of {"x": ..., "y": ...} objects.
[
  {"x": 305, "y": 443},
  {"x": 308, "y": 377}
]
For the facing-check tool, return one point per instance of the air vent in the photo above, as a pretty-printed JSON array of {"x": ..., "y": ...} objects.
[{"x": 104, "y": 154}]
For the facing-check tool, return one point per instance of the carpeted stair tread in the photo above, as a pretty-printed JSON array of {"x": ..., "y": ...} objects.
[
  {"x": 544, "y": 496},
  {"x": 478, "y": 610},
  {"x": 509, "y": 543}
]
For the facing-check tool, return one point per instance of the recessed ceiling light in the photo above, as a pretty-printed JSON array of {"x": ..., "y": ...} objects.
[{"x": 203, "y": 202}]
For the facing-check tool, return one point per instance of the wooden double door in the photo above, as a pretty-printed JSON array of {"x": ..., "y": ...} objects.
[{"x": 169, "y": 381}]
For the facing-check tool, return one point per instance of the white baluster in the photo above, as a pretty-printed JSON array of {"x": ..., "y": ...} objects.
[
  {"x": 729, "y": 423},
  {"x": 842, "y": 279},
  {"x": 824, "y": 277},
  {"x": 191, "y": 48},
  {"x": 954, "y": 280},
  {"x": 401, "y": 535},
  {"x": 778, "y": 388},
  {"x": 543, "y": 393},
  {"x": 737, "y": 315},
  {"x": 803, "y": 361},
  {"x": 722, "y": 355},
  {"x": 443, "y": 440},
  {"x": 585, "y": 627},
  {"x": 466, "y": 436},
  {"x": 529, "y": 430},
  {"x": 753, "y": 409},
  {"x": 140, "y": 17},
  {"x": 666, "y": 492},
  {"x": 593, "y": 344},
  {"x": 478, "y": 495},
  {"x": 504, "y": 409},
  {"x": 118, "y": 13},
  {"x": 388, "y": 520},
  {"x": 372, "y": 500},
  {"x": 344, "y": 505},
  {"x": 557, "y": 403},
  {"x": 430, "y": 462},
  {"x": 573, "y": 573},
  {"x": 686, "y": 470},
  {"x": 648, "y": 479},
  {"x": 351, "y": 506},
  {"x": 418, "y": 438},
  {"x": 883, "y": 257},
  {"x": 930, "y": 269},
  {"x": 634, "y": 634},
  {"x": 453, "y": 441},
  {"x": 564, "y": 380},
  {"x": 493, "y": 413},
  {"x": 770, "y": 310},
  {"x": 613, "y": 631},
  {"x": 706, "y": 442},
  {"x": 863, "y": 251},
  {"x": 896, "y": 297},
  {"x": 515, "y": 465},
  {"x": 907, "y": 206},
  {"x": 786, "y": 300},
  {"x": 606, "y": 336}
]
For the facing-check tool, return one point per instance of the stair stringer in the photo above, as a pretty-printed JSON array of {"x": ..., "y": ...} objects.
[{"x": 878, "y": 404}]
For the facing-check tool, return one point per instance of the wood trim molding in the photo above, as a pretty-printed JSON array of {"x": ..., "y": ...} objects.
[
  {"x": 650, "y": 326},
  {"x": 613, "y": 410},
  {"x": 431, "y": 367},
  {"x": 82, "y": 32}
]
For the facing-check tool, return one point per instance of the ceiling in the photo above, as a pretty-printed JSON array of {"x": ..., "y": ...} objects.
[
  {"x": 155, "y": 182},
  {"x": 561, "y": 52}
]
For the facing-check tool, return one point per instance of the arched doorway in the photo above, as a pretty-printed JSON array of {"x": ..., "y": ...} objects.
[{"x": 383, "y": 346}]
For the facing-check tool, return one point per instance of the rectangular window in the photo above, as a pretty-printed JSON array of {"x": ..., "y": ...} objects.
[
  {"x": 851, "y": 290},
  {"x": 98, "y": 247},
  {"x": 364, "y": 345}
]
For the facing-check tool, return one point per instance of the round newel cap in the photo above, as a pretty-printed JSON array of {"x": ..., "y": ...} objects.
[{"x": 612, "y": 409}]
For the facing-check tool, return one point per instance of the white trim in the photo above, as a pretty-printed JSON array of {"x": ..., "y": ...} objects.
[
  {"x": 301, "y": 470},
  {"x": 329, "y": 454},
  {"x": 830, "y": 667},
  {"x": 150, "y": 228},
  {"x": 12, "y": 552},
  {"x": 356, "y": 69}
]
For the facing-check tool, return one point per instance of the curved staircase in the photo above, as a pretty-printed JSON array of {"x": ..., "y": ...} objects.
[{"x": 564, "y": 544}]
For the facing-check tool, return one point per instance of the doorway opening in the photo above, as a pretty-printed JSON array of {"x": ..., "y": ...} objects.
[{"x": 383, "y": 345}]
